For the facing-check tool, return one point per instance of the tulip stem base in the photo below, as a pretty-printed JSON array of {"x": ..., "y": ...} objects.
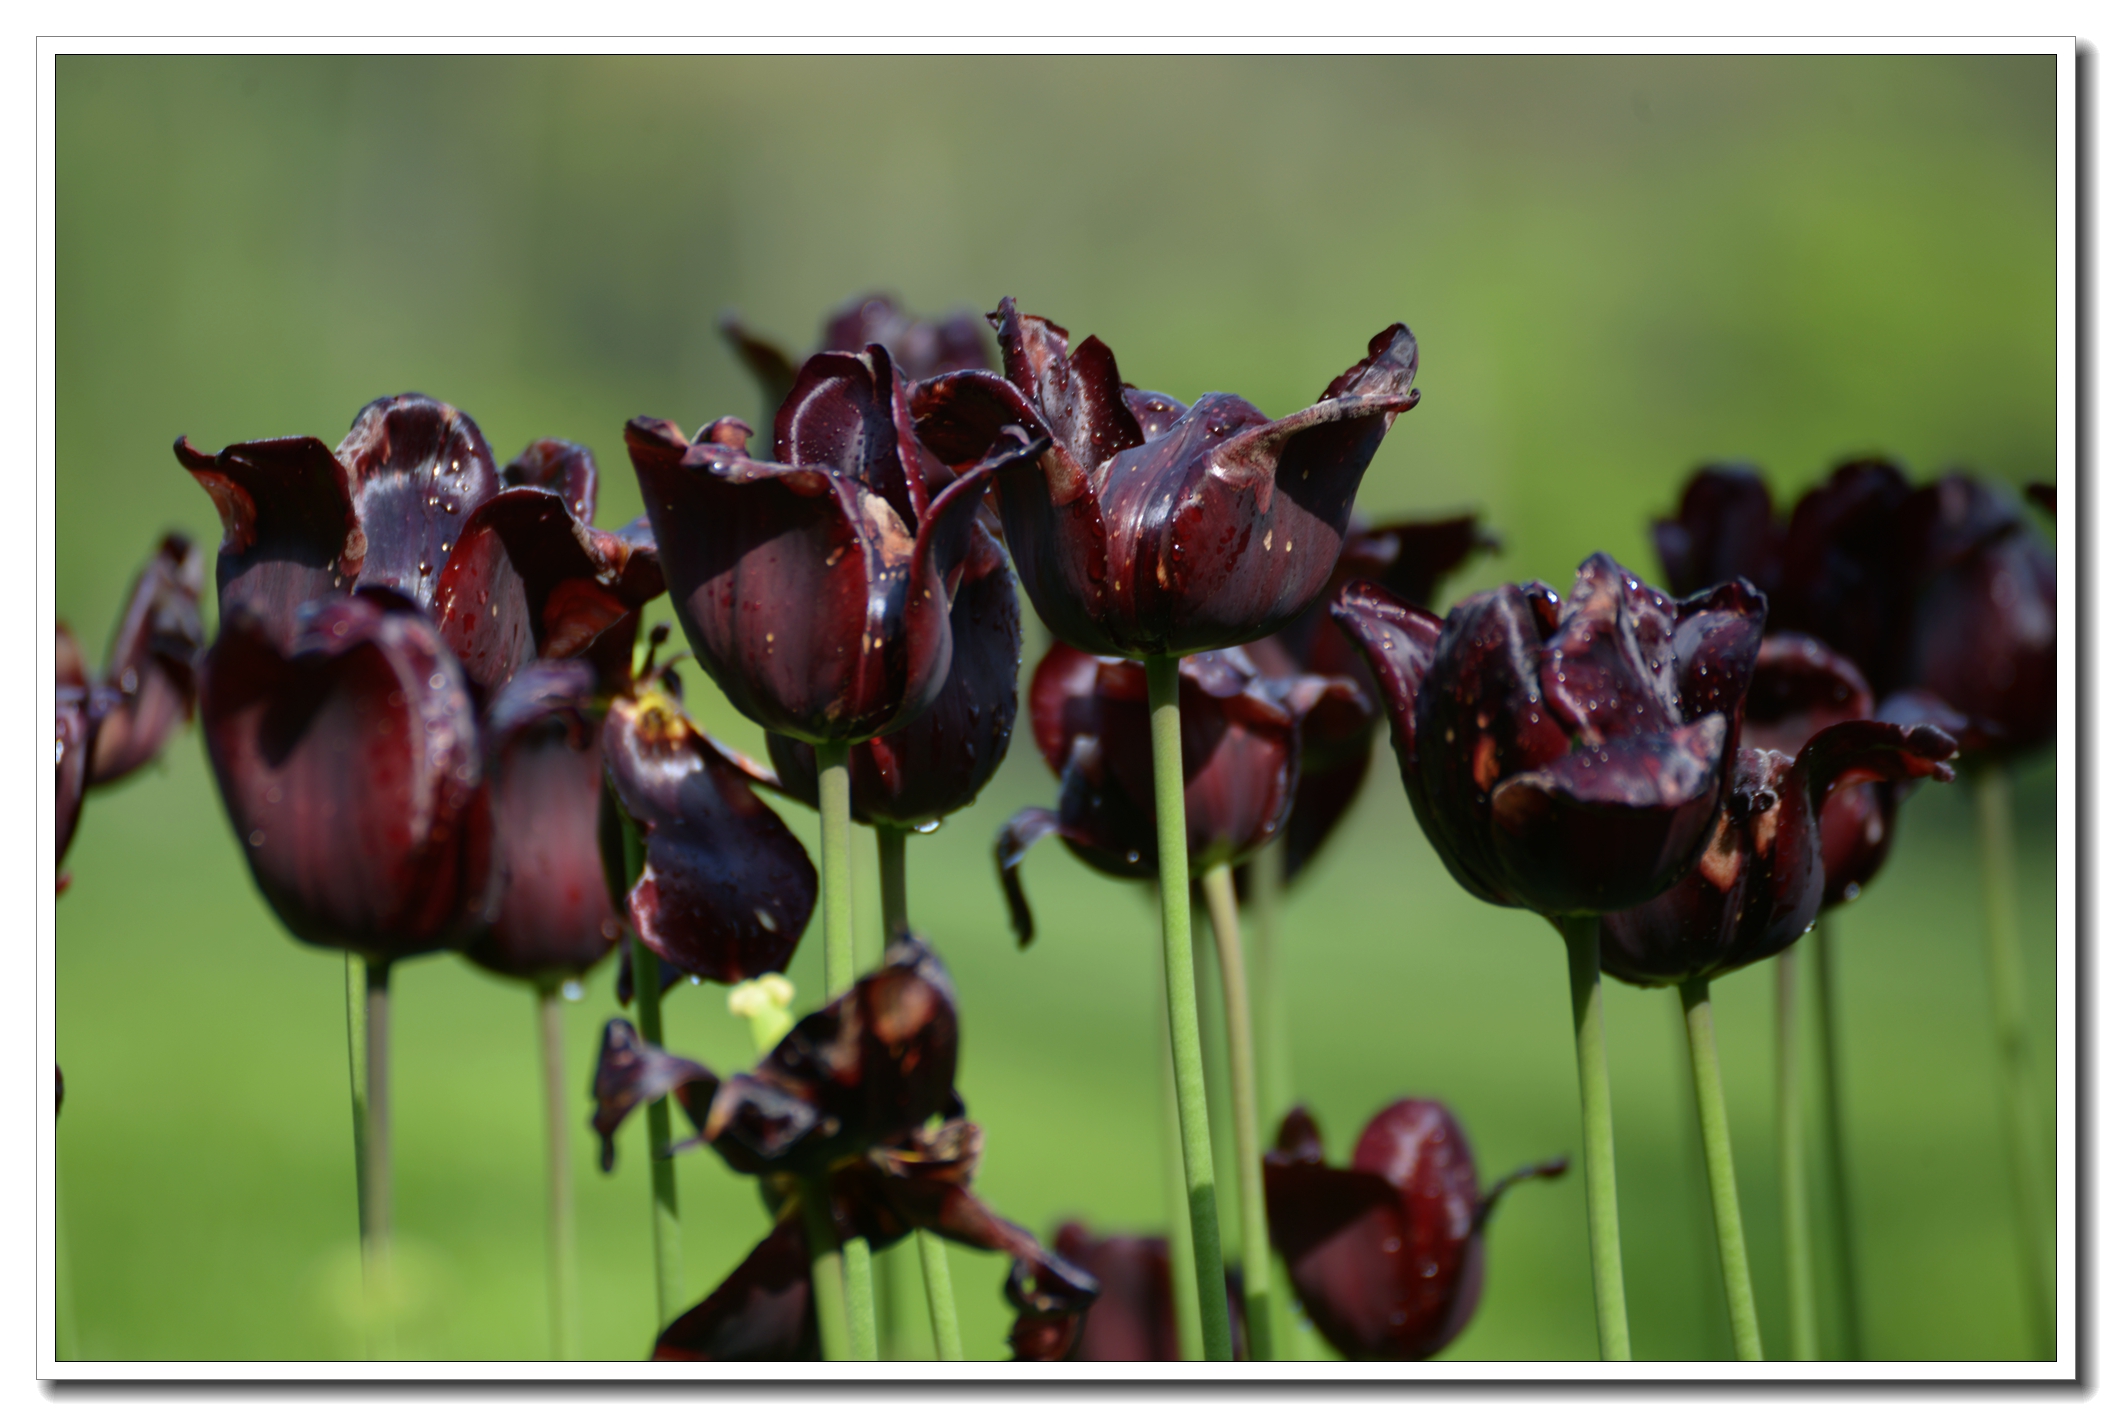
[
  {"x": 1723, "y": 1176},
  {"x": 659, "y": 1130},
  {"x": 831, "y": 1315},
  {"x": 1789, "y": 1162},
  {"x": 1595, "y": 1093},
  {"x": 2005, "y": 996},
  {"x": 1223, "y": 903},
  {"x": 1162, "y": 674},
  {"x": 1833, "y": 1135},
  {"x": 557, "y": 1123},
  {"x": 378, "y": 1204},
  {"x": 832, "y": 761}
]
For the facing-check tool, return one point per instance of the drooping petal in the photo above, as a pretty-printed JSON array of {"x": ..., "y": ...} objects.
[
  {"x": 726, "y": 889},
  {"x": 417, "y": 469},
  {"x": 351, "y": 770},
  {"x": 554, "y": 918},
  {"x": 630, "y": 1072},
  {"x": 289, "y": 532},
  {"x": 152, "y": 668}
]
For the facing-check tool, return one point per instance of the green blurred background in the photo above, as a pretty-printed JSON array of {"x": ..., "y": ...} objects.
[{"x": 1617, "y": 268}]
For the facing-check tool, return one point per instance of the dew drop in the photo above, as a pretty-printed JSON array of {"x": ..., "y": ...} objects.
[
  {"x": 573, "y": 991},
  {"x": 437, "y": 682},
  {"x": 925, "y": 828},
  {"x": 256, "y": 838},
  {"x": 767, "y": 920}
]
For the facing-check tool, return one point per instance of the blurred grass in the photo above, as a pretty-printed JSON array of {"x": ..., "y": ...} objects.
[{"x": 1617, "y": 268}]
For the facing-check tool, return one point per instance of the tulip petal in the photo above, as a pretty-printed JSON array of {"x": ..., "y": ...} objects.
[
  {"x": 726, "y": 889},
  {"x": 1606, "y": 828},
  {"x": 1014, "y": 840},
  {"x": 289, "y": 533},
  {"x": 763, "y": 1312},
  {"x": 840, "y": 414},
  {"x": 1133, "y": 1320},
  {"x": 1611, "y": 665},
  {"x": 1079, "y": 393},
  {"x": 152, "y": 670},
  {"x": 630, "y": 1072},
  {"x": 1798, "y": 687},
  {"x": 1725, "y": 528},
  {"x": 418, "y": 468},
  {"x": 768, "y": 364},
  {"x": 351, "y": 771},
  {"x": 1715, "y": 645},
  {"x": 554, "y": 465}
]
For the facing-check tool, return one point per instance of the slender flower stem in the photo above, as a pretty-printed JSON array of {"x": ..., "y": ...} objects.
[
  {"x": 380, "y": 1201},
  {"x": 659, "y": 1132},
  {"x": 356, "y": 1056},
  {"x": 1789, "y": 1162},
  {"x": 1272, "y": 1046},
  {"x": 830, "y": 1312},
  {"x": 1246, "y": 1120},
  {"x": 66, "y": 1334},
  {"x": 1162, "y": 675},
  {"x": 840, "y": 971},
  {"x": 1694, "y": 1180},
  {"x": 557, "y": 1121},
  {"x": 2020, "y": 1113},
  {"x": 1834, "y": 1137},
  {"x": 1180, "y": 1243},
  {"x": 1723, "y": 1178},
  {"x": 1595, "y": 1090},
  {"x": 931, "y": 1249}
]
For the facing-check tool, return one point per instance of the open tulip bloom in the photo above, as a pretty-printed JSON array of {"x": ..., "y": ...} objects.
[{"x": 853, "y": 1124}]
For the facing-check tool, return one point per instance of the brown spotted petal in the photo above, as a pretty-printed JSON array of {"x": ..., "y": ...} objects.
[
  {"x": 152, "y": 669},
  {"x": 724, "y": 889},
  {"x": 866, "y": 1070},
  {"x": 542, "y": 739},
  {"x": 1219, "y": 528},
  {"x": 1763, "y": 878},
  {"x": 815, "y": 607},
  {"x": 630, "y": 1072},
  {"x": 1725, "y": 529},
  {"x": 1386, "y": 1255},
  {"x": 289, "y": 530},
  {"x": 938, "y": 763},
  {"x": 351, "y": 770}
]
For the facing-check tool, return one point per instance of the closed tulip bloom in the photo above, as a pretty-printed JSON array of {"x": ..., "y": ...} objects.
[
  {"x": 1564, "y": 756},
  {"x": 1760, "y": 884},
  {"x": 921, "y": 348},
  {"x": 817, "y": 589},
  {"x": 1239, "y": 761},
  {"x": 1152, "y": 528},
  {"x": 1385, "y": 1255}
]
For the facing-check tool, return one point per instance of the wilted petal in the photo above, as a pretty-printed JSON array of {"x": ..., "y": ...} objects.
[
  {"x": 351, "y": 771},
  {"x": 554, "y": 919},
  {"x": 630, "y": 1072},
  {"x": 289, "y": 533},
  {"x": 726, "y": 889},
  {"x": 152, "y": 668},
  {"x": 418, "y": 468}
]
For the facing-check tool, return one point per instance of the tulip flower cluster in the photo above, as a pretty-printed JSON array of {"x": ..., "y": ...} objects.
[{"x": 432, "y": 727}]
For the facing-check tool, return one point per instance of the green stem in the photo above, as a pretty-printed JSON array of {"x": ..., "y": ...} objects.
[
  {"x": 659, "y": 1134},
  {"x": 378, "y": 1241},
  {"x": 1834, "y": 1137},
  {"x": 1163, "y": 677},
  {"x": 1789, "y": 1161},
  {"x": 894, "y": 880},
  {"x": 938, "y": 1288},
  {"x": 831, "y": 1314},
  {"x": 1180, "y": 1245},
  {"x": 840, "y": 971},
  {"x": 557, "y": 1123},
  {"x": 1272, "y": 1046},
  {"x": 1595, "y": 1091},
  {"x": 356, "y": 1056},
  {"x": 1723, "y": 1178},
  {"x": 1246, "y": 1119},
  {"x": 2020, "y": 1113}
]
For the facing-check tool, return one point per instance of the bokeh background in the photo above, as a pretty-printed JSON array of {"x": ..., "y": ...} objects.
[{"x": 1618, "y": 268}]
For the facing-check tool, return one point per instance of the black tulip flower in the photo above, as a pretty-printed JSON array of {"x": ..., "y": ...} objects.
[
  {"x": 79, "y": 711},
  {"x": 376, "y": 601},
  {"x": 1150, "y": 528},
  {"x": 921, "y": 348},
  {"x": 1134, "y": 1320},
  {"x": 1564, "y": 756},
  {"x": 847, "y": 1101},
  {"x": 1945, "y": 588},
  {"x": 1239, "y": 762},
  {"x": 708, "y": 875},
  {"x": 1386, "y": 1255},
  {"x": 1410, "y": 559},
  {"x": 817, "y": 589},
  {"x": 1760, "y": 884}
]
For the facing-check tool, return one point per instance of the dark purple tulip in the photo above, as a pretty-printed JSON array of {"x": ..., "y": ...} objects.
[
  {"x": 1759, "y": 885},
  {"x": 722, "y": 888},
  {"x": 848, "y": 1098},
  {"x": 1239, "y": 761},
  {"x": 350, "y": 766},
  {"x": 817, "y": 589},
  {"x": 1408, "y": 558},
  {"x": 80, "y": 710},
  {"x": 1945, "y": 588},
  {"x": 1149, "y": 528},
  {"x": 1133, "y": 1320},
  {"x": 152, "y": 668},
  {"x": 1567, "y": 757},
  {"x": 1385, "y": 1256},
  {"x": 921, "y": 349}
]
